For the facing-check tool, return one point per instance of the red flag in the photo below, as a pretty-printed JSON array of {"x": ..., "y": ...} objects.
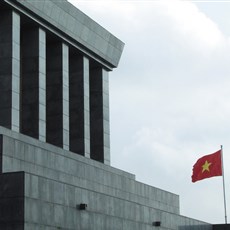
[{"x": 207, "y": 166}]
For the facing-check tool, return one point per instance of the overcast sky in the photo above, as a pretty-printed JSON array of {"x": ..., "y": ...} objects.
[{"x": 170, "y": 95}]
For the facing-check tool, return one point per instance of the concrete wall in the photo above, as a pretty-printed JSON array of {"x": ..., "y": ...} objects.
[
  {"x": 56, "y": 182},
  {"x": 12, "y": 201}
]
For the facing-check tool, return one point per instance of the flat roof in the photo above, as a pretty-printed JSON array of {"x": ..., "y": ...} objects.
[{"x": 81, "y": 29}]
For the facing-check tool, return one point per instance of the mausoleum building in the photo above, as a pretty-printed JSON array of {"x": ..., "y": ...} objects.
[{"x": 55, "y": 168}]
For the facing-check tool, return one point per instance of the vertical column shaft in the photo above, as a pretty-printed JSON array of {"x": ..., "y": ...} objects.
[
  {"x": 79, "y": 105},
  {"x": 42, "y": 85},
  {"x": 57, "y": 96},
  {"x": 99, "y": 115},
  {"x": 106, "y": 121},
  {"x": 10, "y": 69},
  {"x": 33, "y": 82},
  {"x": 65, "y": 99}
]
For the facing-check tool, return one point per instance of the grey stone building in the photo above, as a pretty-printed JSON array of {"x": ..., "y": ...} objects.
[{"x": 55, "y": 168}]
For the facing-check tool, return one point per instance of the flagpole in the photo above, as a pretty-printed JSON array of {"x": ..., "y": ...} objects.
[{"x": 222, "y": 164}]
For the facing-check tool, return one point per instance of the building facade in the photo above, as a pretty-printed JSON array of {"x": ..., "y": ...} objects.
[{"x": 55, "y": 168}]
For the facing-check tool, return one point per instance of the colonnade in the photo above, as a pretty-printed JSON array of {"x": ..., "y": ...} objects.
[{"x": 51, "y": 91}]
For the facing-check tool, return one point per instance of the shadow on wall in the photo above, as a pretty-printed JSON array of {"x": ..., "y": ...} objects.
[
  {"x": 196, "y": 227},
  {"x": 206, "y": 227},
  {"x": 221, "y": 227}
]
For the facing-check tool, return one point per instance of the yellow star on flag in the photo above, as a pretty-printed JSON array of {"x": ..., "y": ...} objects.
[{"x": 205, "y": 166}]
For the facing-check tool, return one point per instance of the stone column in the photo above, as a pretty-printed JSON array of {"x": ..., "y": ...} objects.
[
  {"x": 10, "y": 69},
  {"x": 42, "y": 85},
  {"x": 79, "y": 105},
  {"x": 33, "y": 87},
  {"x": 57, "y": 94},
  {"x": 99, "y": 115},
  {"x": 65, "y": 98}
]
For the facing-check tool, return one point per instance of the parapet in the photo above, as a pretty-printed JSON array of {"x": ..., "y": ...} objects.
[{"x": 72, "y": 24}]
